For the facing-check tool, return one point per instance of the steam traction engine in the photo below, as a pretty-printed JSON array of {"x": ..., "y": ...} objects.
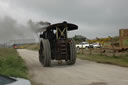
[{"x": 55, "y": 44}]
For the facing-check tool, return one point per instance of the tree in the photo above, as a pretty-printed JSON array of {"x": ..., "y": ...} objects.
[{"x": 79, "y": 38}]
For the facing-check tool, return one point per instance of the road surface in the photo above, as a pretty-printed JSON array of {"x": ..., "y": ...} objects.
[{"x": 82, "y": 73}]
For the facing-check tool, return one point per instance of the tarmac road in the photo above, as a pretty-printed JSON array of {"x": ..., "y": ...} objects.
[{"x": 82, "y": 73}]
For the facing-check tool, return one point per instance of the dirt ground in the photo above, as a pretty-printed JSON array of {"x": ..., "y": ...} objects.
[{"x": 82, "y": 73}]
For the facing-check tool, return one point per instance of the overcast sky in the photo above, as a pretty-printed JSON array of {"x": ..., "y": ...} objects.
[{"x": 95, "y": 18}]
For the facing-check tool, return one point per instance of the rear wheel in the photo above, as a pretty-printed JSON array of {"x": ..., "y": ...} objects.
[
  {"x": 45, "y": 53},
  {"x": 72, "y": 53}
]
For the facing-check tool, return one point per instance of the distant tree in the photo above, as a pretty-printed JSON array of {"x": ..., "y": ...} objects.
[{"x": 79, "y": 38}]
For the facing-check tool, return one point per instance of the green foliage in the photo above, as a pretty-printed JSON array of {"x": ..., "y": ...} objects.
[
  {"x": 116, "y": 38},
  {"x": 125, "y": 42},
  {"x": 79, "y": 38},
  {"x": 11, "y": 64}
]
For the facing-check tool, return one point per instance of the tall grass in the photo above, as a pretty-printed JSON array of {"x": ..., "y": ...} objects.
[{"x": 11, "y": 63}]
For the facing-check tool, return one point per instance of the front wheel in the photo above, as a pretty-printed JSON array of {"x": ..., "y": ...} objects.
[{"x": 41, "y": 53}]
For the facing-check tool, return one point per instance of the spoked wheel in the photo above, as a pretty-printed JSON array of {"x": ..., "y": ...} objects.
[
  {"x": 72, "y": 53},
  {"x": 45, "y": 53}
]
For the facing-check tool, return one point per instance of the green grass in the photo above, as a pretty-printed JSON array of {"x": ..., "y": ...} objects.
[
  {"x": 121, "y": 61},
  {"x": 11, "y": 63}
]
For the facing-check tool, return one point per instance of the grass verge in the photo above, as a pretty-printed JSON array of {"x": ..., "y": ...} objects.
[
  {"x": 11, "y": 63},
  {"x": 121, "y": 61}
]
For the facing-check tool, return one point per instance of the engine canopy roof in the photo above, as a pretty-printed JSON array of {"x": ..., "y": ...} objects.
[{"x": 62, "y": 25}]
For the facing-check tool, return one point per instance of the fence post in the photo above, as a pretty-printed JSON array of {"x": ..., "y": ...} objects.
[{"x": 100, "y": 50}]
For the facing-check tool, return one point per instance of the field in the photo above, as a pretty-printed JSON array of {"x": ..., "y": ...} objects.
[
  {"x": 31, "y": 46},
  {"x": 11, "y": 63}
]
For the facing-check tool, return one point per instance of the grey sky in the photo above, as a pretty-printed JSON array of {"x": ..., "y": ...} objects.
[{"x": 95, "y": 18}]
